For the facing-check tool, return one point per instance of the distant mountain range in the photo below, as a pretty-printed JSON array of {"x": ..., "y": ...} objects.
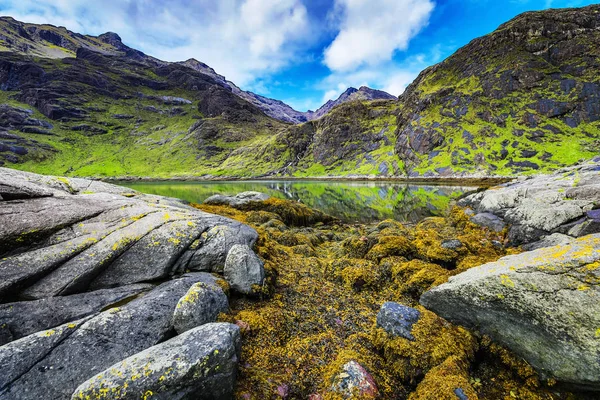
[
  {"x": 49, "y": 41},
  {"x": 524, "y": 99}
]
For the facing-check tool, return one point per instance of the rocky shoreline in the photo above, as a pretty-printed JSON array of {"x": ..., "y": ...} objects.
[{"x": 110, "y": 293}]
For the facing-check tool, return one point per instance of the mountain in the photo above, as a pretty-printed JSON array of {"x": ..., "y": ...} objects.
[
  {"x": 49, "y": 41},
  {"x": 523, "y": 99},
  {"x": 273, "y": 108},
  {"x": 351, "y": 94}
]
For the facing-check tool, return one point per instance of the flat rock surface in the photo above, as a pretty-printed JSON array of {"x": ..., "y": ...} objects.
[{"x": 541, "y": 304}]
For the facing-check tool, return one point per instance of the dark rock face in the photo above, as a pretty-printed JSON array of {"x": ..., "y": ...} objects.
[
  {"x": 80, "y": 286},
  {"x": 397, "y": 319}
]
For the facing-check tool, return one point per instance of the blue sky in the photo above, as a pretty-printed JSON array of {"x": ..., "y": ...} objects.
[{"x": 303, "y": 52}]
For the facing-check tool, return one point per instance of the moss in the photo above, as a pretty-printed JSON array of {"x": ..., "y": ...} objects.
[
  {"x": 390, "y": 246},
  {"x": 320, "y": 312},
  {"x": 443, "y": 380}
]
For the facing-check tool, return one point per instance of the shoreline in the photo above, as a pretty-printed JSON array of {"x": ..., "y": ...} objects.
[{"x": 436, "y": 181}]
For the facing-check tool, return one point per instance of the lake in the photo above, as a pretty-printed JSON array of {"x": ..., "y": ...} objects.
[{"x": 350, "y": 201}]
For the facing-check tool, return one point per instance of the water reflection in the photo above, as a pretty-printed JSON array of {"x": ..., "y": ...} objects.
[{"x": 349, "y": 201}]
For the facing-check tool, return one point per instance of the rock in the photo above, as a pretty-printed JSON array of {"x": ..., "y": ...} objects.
[
  {"x": 243, "y": 269},
  {"x": 109, "y": 238},
  {"x": 54, "y": 311},
  {"x": 201, "y": 304},
  {"x": 549, "y": 241},
  {"x": 198, "y": 364},
  {"x": 96, "y": 343},
  {"x": 540, "y": 215},
  {"x": 19, "y": 356},
  {"x": 238, "y": 200},
  {"x": 397, "y": 319},
  {"x": 355, "y": 381},
  {"x": 540, "y": 304},
  {"x": 452, "y": 244},
  {"x": 586, "y": 227},
  {"x": 489, "y": 220},
  {"x": 210, "y": 251}
]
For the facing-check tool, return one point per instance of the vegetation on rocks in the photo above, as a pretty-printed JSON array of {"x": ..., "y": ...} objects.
[{"x": 326, "y": 283}]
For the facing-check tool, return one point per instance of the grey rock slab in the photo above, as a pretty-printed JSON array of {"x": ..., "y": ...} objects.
[
  {"x": 100, "y": 342},
  {"x": 489, "y": 220},
  {"x": 549, "y": 241},
  {"x": 152, "y": 257},
  {"x": 198, "y": 364},
  {"x": 397, "y": 319},
  {"x": 23, "y": 269},
  {"x": 542, "y": 304},
  {"x": 19, "y": 356},
  {"x": 201, "y": 304},
  {"x": 27, "y": 317},
  {"x": 76, "y": 274},
  {"x": 238, "y": 200},
  {"x": 543, "y": 216},
  {"x": 243, "y": 269}
]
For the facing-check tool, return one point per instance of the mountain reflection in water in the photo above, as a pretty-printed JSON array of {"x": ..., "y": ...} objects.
[{"x": 351, "y": 201}]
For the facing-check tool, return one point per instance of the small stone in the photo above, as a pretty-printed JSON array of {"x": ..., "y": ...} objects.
[
  {"x": 243, "y": 269},
  {"x": 452, "y": 244},
  {"x": 283, "y": 391},
  {"x": 201, "y": 304},
  {"x": 397, "y": 319},
  {"x": 354, "y": 380},
  {"x": 460, "y": 394}
]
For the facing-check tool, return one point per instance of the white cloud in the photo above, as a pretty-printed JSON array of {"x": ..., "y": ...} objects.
[
  {"x": 392, "y": 77},
  {"x": 371, "y": 31},
  {"x": 241, "y": 39}
]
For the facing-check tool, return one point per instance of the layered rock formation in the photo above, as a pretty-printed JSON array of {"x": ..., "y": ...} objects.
[{"x": 94, "y": 273}]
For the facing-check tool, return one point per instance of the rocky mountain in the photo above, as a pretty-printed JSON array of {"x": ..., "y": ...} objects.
[
  {"x": 273, "y": 108},
  {"x": 521, "y": 100},
  {"x": 49, "y": 41},
  {"x": 351, "y": 94}
]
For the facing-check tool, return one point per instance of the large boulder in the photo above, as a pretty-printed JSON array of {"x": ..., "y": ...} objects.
[
  {"x": 541, "y": 304},
  {"x": 564, "y": 202},
  {"x": 202, "y": 304},
  {"x": 244, "y": 271},
  {"x": 198, "y": 364}
]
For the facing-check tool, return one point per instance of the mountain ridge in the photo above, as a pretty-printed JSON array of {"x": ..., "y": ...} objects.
[
  {"x": 29, "y": 38},
  {"x": 521, "y": 100}
]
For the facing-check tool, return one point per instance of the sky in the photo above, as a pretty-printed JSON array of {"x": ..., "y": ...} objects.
[{"x": 303, "y": 52}]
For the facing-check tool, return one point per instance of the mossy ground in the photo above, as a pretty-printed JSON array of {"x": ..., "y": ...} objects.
[{"x": 325, "y": 286}]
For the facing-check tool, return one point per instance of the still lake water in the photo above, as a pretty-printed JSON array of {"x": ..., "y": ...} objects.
[{"x": 350, "y": 201}]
